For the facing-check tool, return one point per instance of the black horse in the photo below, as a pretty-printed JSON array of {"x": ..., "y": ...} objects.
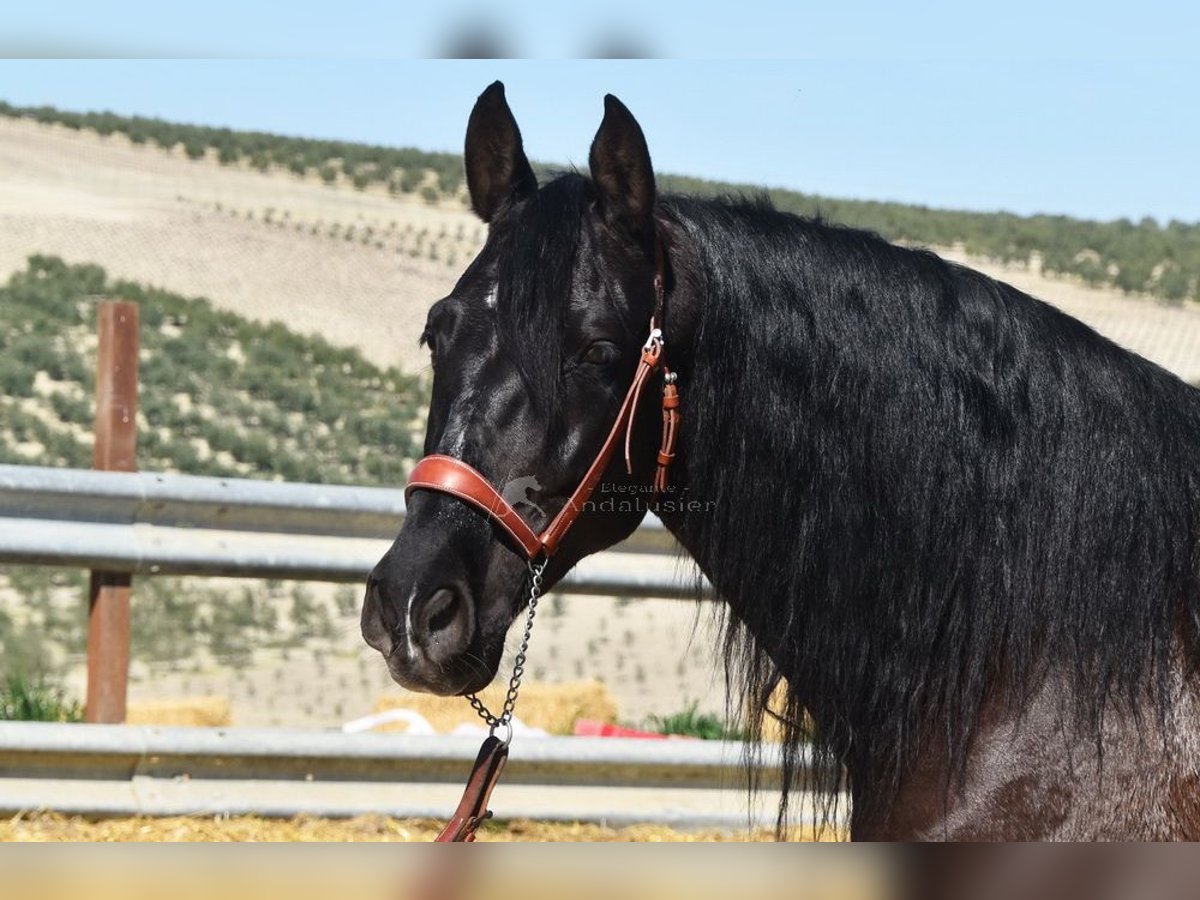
[{"x": 961, "y": 527}]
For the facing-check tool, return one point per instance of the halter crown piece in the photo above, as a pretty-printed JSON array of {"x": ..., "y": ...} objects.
[{"x": 448, "y": 475}]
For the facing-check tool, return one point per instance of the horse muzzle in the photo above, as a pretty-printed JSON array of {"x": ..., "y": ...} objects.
[{"x": 426, "y": 627}]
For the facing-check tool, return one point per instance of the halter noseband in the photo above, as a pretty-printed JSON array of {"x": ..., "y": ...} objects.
[{"x": 455, "y": 477}]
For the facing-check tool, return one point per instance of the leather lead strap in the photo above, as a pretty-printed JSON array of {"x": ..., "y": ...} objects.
[{"x": 472, "y": 808}]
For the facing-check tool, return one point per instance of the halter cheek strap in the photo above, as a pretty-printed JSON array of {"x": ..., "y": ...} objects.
[{"x": 455, "y": 477}]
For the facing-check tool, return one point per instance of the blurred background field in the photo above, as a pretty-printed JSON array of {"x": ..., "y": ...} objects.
[{"x": 283, "y": 284}]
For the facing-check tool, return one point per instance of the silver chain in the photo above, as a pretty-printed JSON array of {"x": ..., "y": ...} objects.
[{"x": 504, "y": 720}]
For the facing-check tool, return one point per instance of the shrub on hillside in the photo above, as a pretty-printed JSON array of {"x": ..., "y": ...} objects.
[
  {"x": 24, "y": 699},
  {"x": 268, "y": 402}
]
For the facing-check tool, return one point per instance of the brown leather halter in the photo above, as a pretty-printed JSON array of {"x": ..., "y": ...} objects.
[{"x": 448, "y": 475}]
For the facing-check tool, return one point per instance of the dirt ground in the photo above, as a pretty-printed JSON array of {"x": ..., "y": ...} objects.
[{"x": 42, "y": 827}]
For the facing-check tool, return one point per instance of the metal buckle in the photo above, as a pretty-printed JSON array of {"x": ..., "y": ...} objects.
[
  {"x": 508, "y": 731},
  {"x": 654, "y": 341}
]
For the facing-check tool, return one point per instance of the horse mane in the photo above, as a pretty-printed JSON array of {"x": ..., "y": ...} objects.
[{"x": 922, "y": 491}]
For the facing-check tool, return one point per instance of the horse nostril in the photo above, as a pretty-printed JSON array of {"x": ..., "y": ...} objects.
[
  {"x": 444, "y": 624},
  {"x": 442, "y": 608}
]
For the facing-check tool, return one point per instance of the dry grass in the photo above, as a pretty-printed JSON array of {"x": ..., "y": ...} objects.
[
  {"x": 551, "y": 707},
  {"x": 51, "y": 827},
  {"x": 200, "y": 712}
]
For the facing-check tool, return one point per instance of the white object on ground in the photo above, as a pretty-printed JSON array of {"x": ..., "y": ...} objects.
[{"x": 417, "y": 723}]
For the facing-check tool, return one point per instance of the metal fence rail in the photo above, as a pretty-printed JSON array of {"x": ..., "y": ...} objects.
[
  {"x": 126, "y": 770},
  {"x": 151, "y": 524}
]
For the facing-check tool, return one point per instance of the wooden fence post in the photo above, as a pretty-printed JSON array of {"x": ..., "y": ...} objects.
[{"x": 115, "y": 450}]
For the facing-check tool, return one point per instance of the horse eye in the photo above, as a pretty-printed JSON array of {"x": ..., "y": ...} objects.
[
  {"x": 429, "y": 340},
  {"x": 600, "y": 353}
]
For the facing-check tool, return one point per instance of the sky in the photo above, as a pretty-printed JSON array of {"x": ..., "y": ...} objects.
[
  {"x": 1090, "y": 137},
  {"x": 765, "y": 29}
]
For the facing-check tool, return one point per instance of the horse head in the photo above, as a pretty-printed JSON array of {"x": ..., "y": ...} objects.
[{"x": 532, "y": 353}]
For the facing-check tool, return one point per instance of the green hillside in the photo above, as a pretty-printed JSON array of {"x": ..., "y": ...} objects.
[
  {"x": 1145, "y": 256},
  {"x": 220, "y": 395}
]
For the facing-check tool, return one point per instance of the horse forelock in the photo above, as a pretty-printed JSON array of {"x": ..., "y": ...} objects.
[{"x": 539, "y": 246}]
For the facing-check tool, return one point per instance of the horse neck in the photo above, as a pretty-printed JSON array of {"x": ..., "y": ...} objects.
[
  {"x": 774, "y": 626},
  {"x": 685, "y": 309},
  {"x": 829, "y": 517}
]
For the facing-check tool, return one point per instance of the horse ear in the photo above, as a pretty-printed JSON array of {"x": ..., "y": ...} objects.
[
  {"x": 497, "y": 170},
  {"x": 621, "y": 170}
]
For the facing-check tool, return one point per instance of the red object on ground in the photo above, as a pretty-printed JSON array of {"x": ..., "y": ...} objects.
[{"x": 592, "y": 728}]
